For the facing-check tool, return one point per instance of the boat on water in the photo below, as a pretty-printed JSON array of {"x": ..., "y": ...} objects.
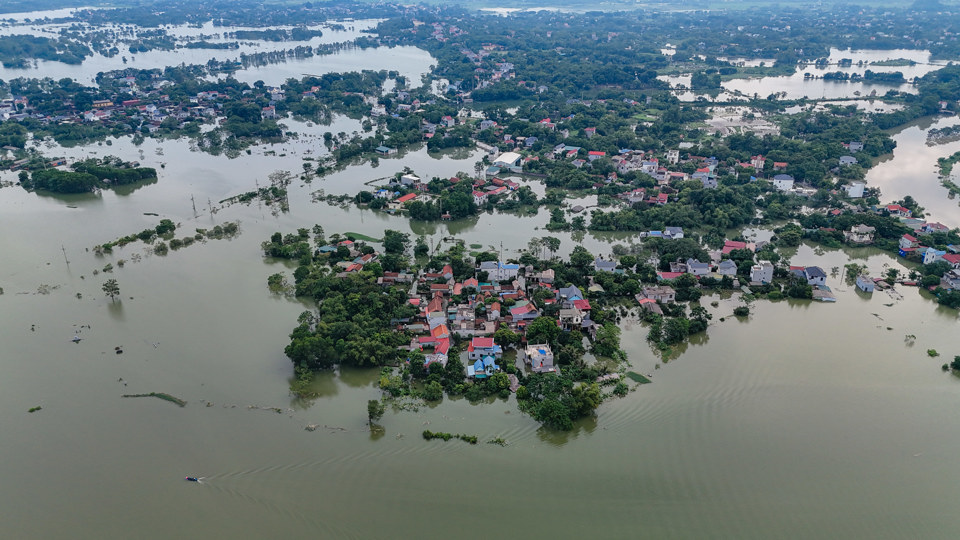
[{"x": 193, "y": 479}]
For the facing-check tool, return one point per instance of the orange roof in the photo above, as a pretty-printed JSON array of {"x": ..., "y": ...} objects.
[
  {"x": 407, "y": 198},
  {"x": 435, "y": 305}
]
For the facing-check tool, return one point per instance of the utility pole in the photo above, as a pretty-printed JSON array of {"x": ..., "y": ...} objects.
[
  {"x": 64, "y": 250},
  {"x": 194, "y": 203}
]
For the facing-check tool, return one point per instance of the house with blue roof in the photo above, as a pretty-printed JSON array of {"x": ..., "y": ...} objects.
[
  {"x": 482, "y": 347},
  {"x": 483, "y": 368},
  {"x": 499, "y": 271},
  {"x": 570, "y": 293},
  {"x": 932, "y": 255}
]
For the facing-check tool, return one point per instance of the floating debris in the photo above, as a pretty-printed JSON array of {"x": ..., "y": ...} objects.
[{"x": 161, "y": 395}]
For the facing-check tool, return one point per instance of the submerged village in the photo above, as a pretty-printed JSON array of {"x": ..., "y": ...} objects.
[
  {"x": 508, "y": 322},
  {"x": 323, "y": 268},
  {"x": 711, "y": 198}
]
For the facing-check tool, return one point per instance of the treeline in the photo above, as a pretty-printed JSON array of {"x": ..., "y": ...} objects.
[
  {"x": 892, "y": 77},
  {"x": 276, "y": 34}
]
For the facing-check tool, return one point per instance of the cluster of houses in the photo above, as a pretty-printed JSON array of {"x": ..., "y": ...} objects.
[
  {"x": 409, "y": 187},
  {"x": 474, "y": 310},
  {"x": 665, "y": 172},
  {"x": 909, "y": 244},
  {"x": 150, "y": 105}
]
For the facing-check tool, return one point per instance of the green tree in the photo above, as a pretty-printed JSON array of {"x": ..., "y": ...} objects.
[
  {"x": 395, "y": 241},
  {"x": 580, "y": 257},
  {"x": 453, "y": 371},
  {"x": 607, "y": 342},
  {"x": 543, "y": 330},
  {"x": 375, "y": 410},
  {"x": 676, "y": 330},
  {"x": 433, "y": 391},
  {"x": 552, "y": 244},
  {"x": 112, "y": 289},
  {"x": 506, "y": 337}
]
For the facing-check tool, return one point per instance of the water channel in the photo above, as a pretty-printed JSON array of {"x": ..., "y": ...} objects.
[{"x": 805, "y": 420}]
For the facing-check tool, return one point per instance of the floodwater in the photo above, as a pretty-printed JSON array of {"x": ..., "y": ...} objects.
[
  {"x": 912, "y": 170},
  {"x": 796, "y": 86},
  {"x": 804, "y": 420},
  {"x": 410, "y": 62}
]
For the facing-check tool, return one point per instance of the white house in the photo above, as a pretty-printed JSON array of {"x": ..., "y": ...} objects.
[
  {"x": 865, "y": 283},
  {"x": 507, "y": 160},
  {"x": 727, "y": 268},
  {"x": 673, "y": 156},
  {"x": 673, "y": 233},
  {"x": 860, "y": 234},
  {"x": 762, "y": 272},
  {"x": 697, "y": 268},
  {"x": 601, "y": 265},
  {"x": 908, "y": 242},
  {"x": 815, "y": 275},
  {"x": 932, "y": 255},
  {"x": 664, "y": 294},
  {"x": 783, "y": 182},
  {"x": 855, "y": 189},
  {"x": 499, "y": 271}
]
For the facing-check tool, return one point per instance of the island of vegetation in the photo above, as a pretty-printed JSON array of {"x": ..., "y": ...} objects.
[{"x": 87, "y": 175}]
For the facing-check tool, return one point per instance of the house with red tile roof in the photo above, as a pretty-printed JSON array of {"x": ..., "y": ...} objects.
[{"x": 953, "y": 259}]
